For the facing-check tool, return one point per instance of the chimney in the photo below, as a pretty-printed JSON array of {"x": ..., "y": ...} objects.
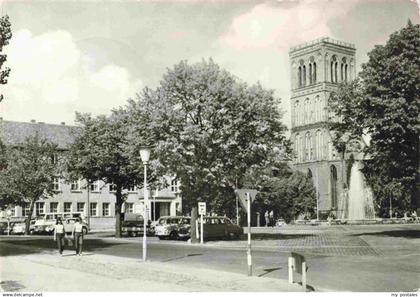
[
  {"x": 63, "y": 123},
  {"x": 33, "y": 121}
]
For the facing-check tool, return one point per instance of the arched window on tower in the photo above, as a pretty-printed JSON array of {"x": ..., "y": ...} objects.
[
  {"x": 300, "y": 76},
  {"x": 318, "y": 145},
  {"x": 307, "y": 146},
  {"x": 346, "y": 73},
  {"x": 332, "y": 71},
  {"x": 342, "y": 72},
  {"x": 314, "y": 74},
  {"x": 310, "y": 74},
  {"x": 311, "y": 148},
  {"x": 304, "y": 76},
  {"x": 335, "y": 72},
  {"x": 306, "y": 111}
]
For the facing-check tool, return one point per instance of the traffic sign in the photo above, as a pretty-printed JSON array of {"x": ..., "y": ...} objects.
[
  {"x": 242, "y": 194},
  {"x": 202, "y": 208}
]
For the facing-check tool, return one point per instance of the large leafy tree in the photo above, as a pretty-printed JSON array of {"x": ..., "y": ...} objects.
[
  {"x": 208, "y": 129},
  {"x": 5, "y": 35},
  {"x": 28, "y": 173},
  {"x": 97, "y": 153},
  {"x": 384, "y": 103}
]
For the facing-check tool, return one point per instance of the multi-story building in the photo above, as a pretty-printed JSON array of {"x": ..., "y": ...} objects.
[
  {"x": 316, "y": 69},
  {"x": 96, "y": 202}
]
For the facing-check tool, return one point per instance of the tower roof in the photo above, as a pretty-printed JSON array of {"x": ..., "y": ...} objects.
[{"x": 321, "y": 41}]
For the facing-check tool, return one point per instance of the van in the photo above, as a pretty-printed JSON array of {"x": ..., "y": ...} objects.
[{"x": 45, "y": 224}]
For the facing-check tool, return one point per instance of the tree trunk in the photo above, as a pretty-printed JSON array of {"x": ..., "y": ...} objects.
[
  {"x": 118, "y": 207},
  {"x": 28, "y": 220},
  {"x": 194, "y": 216}
]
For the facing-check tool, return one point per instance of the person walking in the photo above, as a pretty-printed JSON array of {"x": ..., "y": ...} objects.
[
  {"x": 59, "y": 234},
  {"x": 77, "y": 234},
  {"x": 266, "y": 217}
]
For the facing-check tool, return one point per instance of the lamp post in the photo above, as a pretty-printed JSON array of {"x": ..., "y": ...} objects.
[
  {"x": 145, "y": 155},
  {"x": 9, "y": 214}
]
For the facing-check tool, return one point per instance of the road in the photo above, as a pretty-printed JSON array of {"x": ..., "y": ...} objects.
[{"x": 342, "y": 261}]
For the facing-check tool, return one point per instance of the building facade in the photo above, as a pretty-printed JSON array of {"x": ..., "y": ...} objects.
[
  {"x": 316, "y": 69},
  {"x": 97, "y": 200}
]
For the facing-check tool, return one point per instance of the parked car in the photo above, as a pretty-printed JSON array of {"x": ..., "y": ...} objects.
[
  {"x": 169, "y": 227},
  {"x": 17, "y": 226},
  {"x": 133, "y": 225},
  {"x": 220, "y": 227},
  {"x": 69, "y": 224},
  {"x": 45, "y": 224},
  {"x": 280, "y": 223}
]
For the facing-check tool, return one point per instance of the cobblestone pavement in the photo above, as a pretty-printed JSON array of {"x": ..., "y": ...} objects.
[{"x": 362, "y": 240}]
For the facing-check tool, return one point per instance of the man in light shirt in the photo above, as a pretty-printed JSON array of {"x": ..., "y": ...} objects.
[{"x": 77, "y": 234}]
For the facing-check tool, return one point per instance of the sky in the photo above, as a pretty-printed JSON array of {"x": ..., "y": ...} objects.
[{"x": 91, "y": 56}]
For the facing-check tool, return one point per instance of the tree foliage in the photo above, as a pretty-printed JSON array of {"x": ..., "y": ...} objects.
[
  {"x": 5, "y": 35},
  {"x": 97, "y": 153},
  {"x": 384, "y": 104},
  {"x": 29, "y": 173},
  {"x": 208, "y": 128}
]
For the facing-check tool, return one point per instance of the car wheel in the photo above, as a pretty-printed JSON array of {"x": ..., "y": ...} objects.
[
  {"x": 31, "y": 232},
  {"x": 173, "y": 235},
  {"x": 85, "y": 231}
]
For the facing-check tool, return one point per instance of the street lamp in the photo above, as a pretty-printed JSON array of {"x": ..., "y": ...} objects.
[
  {"x": 145, "y": 155},
  {"x": 9, "y": 214}
]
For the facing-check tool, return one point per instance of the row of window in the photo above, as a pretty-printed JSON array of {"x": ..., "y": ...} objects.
[
  {"x": 344, "y": 70},
  {"x": 309, "y": 111},
  {"x": 80, "y": 207},
  {"x": 302, "y": 75},
  {"x": 96, "y": 186},
  {"x": 310, "y": 147}
]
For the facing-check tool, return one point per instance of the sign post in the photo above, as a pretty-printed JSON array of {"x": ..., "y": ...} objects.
[
  {"x": 201, "y": 212},
  {"x": 246, "y": 197}
]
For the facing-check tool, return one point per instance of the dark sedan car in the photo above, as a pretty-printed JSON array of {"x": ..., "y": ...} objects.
[
  {"x": 217, "y": 228},
  {"x": 220, "y": 227}
]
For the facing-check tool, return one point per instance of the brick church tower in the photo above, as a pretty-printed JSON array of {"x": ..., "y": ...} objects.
[{"x": 316, "y": 69}]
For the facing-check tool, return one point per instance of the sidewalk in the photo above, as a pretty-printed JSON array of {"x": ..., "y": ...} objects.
[{"x": 49, "y": 272}]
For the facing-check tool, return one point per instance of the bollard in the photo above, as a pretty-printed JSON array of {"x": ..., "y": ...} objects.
[
  {"x": 291, "y": 267},
  {"x": 297, "y": 263}
]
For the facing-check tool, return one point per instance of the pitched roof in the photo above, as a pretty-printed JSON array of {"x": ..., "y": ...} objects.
[{"x": 14, "y": 133}]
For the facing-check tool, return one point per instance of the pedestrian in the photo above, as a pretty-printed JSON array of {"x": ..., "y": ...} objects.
[
  {"x": 266, "y": 218},
  {"x": 272, "y": 218},
  {"x": 77, "y": 234},
  {"x": 59, "y": 234}
]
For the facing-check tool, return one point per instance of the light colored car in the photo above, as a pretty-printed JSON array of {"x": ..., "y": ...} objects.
[
  {"x": 45, "y": 224},
  {"x": 280, "y": 223},
  {"x": 18, "y": 228},
  {"x": 169, "y": 227},
  {"x": 69, "y": 224}
]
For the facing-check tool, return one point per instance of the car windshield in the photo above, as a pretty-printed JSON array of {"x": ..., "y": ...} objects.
[
  {"x": 173, "y": 221},
  {"x": 185, "y": 221},
  {"x": 212, "y": 221},
  {"x": 162, "y": 221}
]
